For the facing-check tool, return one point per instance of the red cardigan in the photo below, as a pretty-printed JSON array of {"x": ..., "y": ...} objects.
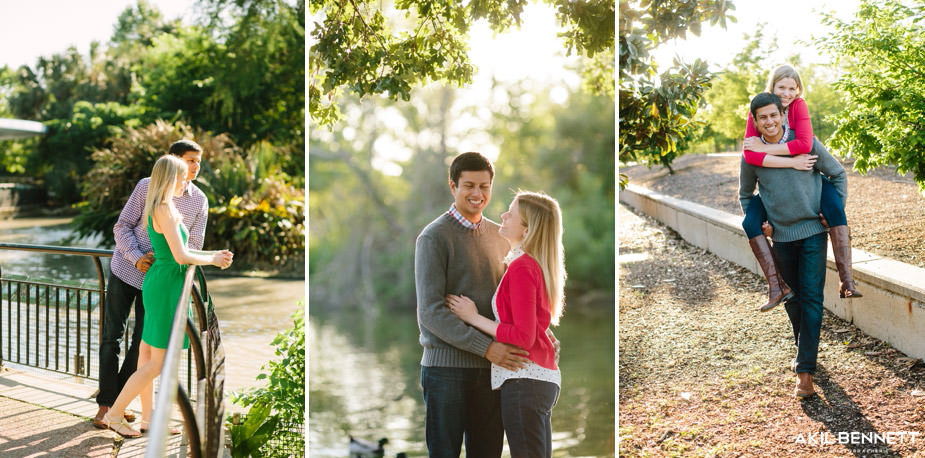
[
  {"x": 523, "y": 311},
  {"x": 798, "y": 117}
]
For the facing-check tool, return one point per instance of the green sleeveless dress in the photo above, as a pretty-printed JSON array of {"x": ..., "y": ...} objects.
[{"x": 161, "y": 290}]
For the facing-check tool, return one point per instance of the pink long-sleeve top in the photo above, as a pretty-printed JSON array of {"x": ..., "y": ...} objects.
[
  {"x": 798, "y": 119},
  {"x": 523, "y": 311}
]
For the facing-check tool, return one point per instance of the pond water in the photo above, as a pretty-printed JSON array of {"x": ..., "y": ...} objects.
[
  {"x": 53, "y": 232},
  {"x": 364, "y": 380}
]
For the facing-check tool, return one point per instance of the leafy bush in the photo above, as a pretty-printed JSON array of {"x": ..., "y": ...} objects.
[
  {"x": 274, "y": 408},
  {"x": 254, "y": 208}
]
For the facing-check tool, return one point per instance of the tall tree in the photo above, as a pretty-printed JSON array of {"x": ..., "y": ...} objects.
[
  {"x": 259, "y": 79},
  {"x": 657, "y": 109},
  {"x": 883, "y": 47},
  {"x": 361, "y": 49}
]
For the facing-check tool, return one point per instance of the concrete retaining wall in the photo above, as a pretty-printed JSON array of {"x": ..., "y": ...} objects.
[{"x": 893, "y": 306}]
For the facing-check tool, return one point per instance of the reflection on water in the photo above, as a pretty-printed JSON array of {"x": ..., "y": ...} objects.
[
  {"x": 364, "y": 380},
  {"x": 39, "y": 265}
]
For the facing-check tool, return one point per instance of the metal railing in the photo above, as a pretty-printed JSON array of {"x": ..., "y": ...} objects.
[
  {"x": 203, "y": 422},
  {"x": 64, "y": 343},
  {"x": 49, "y": 324}
]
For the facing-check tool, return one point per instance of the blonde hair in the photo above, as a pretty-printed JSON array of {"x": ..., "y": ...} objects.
[
  {"x": 540, "y": 214},
  {"x": 784, "y": 71},
  {"x": 164, "y": 177}
]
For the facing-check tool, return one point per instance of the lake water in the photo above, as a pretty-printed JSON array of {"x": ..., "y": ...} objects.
[
  {"x": 47, "y": 231},
  {"x": 364, "y": 380}
]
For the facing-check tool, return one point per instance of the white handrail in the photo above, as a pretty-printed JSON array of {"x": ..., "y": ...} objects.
[{"x": 167, "y": 391}]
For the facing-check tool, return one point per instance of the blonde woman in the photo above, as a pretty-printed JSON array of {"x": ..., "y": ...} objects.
[
  {"x": 528, "y": 300},
  {"x": 161, "y": 288}
]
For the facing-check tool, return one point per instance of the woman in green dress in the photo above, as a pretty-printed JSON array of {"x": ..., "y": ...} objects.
[{"x": 161, "y": 289}]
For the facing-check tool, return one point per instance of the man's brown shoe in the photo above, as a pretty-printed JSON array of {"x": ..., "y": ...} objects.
[
  {"x": 805, "y": 386},
  {"x": 98, "y": 419}
]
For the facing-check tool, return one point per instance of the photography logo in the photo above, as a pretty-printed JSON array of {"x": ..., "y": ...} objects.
[{"x": 856, "y": 438}]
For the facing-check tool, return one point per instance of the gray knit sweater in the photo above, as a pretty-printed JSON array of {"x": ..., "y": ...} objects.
[
  {"x": 452, "y": 259},
  {"x": 790, "y": 196}
]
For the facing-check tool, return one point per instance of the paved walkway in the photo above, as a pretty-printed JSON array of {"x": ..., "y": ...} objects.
[{"x": 43, "y": 415}]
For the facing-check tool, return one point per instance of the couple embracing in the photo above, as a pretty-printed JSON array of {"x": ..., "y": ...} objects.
[{"x": 486, "y": 296}]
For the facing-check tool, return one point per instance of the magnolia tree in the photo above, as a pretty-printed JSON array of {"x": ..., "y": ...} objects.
[{"x": 657, "y": 109}]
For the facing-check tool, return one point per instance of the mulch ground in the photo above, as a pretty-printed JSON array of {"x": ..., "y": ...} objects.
[{"x": 701, "y": 373}]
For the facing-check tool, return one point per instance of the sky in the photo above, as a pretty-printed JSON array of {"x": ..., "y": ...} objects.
[
  {"x": 790, "y": 21},
  {"x": 530, "y": 51},
  {"x": 35, "y": 28}
]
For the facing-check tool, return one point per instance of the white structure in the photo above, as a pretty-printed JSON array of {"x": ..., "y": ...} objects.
[{"x": 11, "y": 129}]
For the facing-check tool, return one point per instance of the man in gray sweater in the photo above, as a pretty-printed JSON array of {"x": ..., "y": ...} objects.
[
  {"x": 461, "y": 253},
  {"x": 791, "y": 198}
]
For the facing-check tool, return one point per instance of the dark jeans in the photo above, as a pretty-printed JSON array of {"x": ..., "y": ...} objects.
[
  {"x": 802, "y": 264},
  {"x": 832, "y": 205},
  {"x": 460, "y": 403},
  {"x": 526, "y": 407},
  {"x": 119, "y": 298}
]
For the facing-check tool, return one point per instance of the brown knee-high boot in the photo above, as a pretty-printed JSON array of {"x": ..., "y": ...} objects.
[
  {"x": 778, "y": 291},
  {"x": 841, "y": 246}
]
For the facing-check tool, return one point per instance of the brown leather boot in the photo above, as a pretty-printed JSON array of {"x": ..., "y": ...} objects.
[
  {"x": 805, "y": 386},
  {"x": 778, "y": 291},
  {"x": 841, "y": 246}
]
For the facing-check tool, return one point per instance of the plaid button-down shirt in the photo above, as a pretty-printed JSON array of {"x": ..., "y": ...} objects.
[
  {"x": 462, "y": 219},
  {"x": 783, "y": 138},
  {"x": 132, "y": 236}
]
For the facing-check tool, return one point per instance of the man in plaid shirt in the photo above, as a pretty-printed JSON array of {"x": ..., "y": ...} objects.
[{"x": 130, "y": 260}]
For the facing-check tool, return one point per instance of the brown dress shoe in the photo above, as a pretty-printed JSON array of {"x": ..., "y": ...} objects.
[
  {"x": 805, "y": 386},
  {"x": 98, "y": 419}
]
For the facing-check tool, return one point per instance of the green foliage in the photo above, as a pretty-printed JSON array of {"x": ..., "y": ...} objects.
[
  {"x": 260, "y": 83},
  {"x": 129, "y": 158},
  {"x": 823, "y": 100},
  {"x": 254, "y": 208},
  {"x": 656, "y": 116},
  {"x": 281, "y": 402},
  {"x": 63, "y": 155},
  {"x": 249, "y": 81},
  {"x": 655, "y": 120},
  {"x": 176, "y": 76},
  {"x": 732, "y": 89},
  {"x": 253, "y": 434},
  {"x": 568, "y": 153},
  {"x": 884, "y": 86},
  {"x": 360, "y": 50}
]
